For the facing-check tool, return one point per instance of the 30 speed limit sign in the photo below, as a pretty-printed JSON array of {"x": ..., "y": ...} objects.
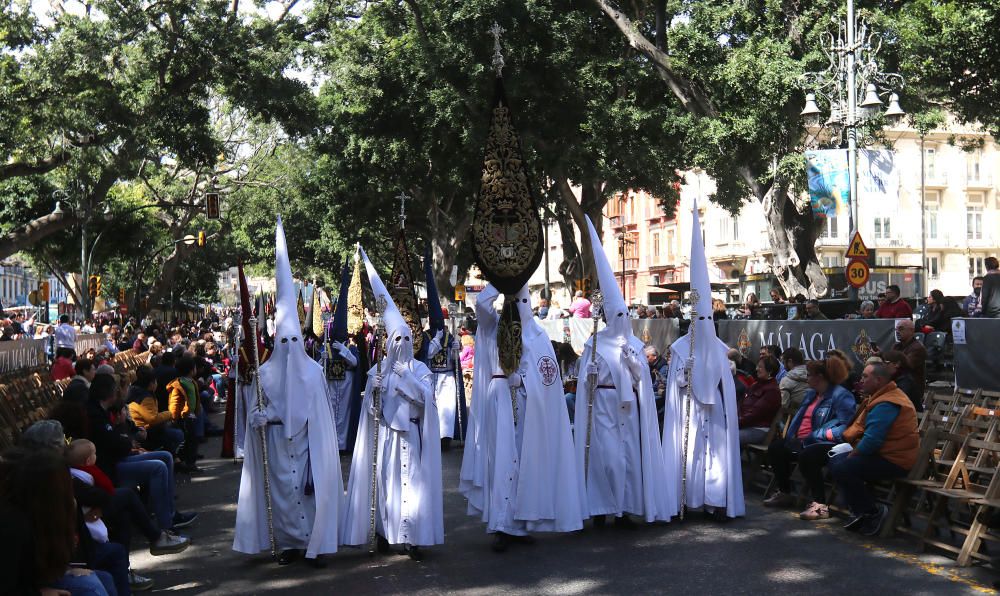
[{"x": 857, "y": 273}]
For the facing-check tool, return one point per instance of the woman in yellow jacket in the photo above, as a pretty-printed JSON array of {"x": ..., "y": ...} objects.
[
  {"x": 144, "y": 410},
  {"x": 185, "y": 407}
]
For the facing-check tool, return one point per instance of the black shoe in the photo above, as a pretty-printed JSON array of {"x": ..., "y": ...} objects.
[
  {"x": 287, "y": 557},
  {"x": 625, "y": 522},
  {"x": 413, "y": 552},
  {"x": 382, "y": 545},
  {"x": 316, "y": 563},
  {"x": 500, "y": 542},
  {"x": 526, "y": 539},
  {"x": 599, "y": 521},
  {"x": 872, "y": 523},
  {"x": 183, "y": 520}
]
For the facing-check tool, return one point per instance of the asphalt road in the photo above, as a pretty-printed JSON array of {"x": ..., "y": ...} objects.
[{"x": 767, "y": 552}]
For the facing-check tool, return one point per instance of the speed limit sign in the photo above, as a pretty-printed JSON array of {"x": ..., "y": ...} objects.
[{"x": 857, "y": 273}]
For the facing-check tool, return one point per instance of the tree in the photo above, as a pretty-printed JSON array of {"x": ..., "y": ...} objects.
[
  {"x": 89, "y": 98},
  {"x": 734, "y": 68},
  {"x": 949, "y": 56},
  {"x": 406, "y": 102}
]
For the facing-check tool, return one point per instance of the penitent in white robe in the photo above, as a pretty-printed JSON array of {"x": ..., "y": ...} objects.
[
  {"x": 409, "y": 466},
  {"x": 521, "y": 477},
  {"x": 714, "y": 476},
  {"x": 303, "y": 518}
]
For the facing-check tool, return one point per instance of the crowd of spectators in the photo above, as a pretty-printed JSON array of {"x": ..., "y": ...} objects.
[{"x": 104, "y": 463}]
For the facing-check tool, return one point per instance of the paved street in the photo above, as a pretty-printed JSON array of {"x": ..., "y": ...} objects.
[{"x": 768, "y": 552}]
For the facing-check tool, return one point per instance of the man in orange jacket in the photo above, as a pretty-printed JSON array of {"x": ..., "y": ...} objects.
[{"x": 881, "y": 443}]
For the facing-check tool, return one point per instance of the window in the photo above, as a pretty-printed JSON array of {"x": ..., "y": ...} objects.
[
  {"x": 882, "y": 228},
  {"x": 736, "y": 229},
  {"x": 833, "y": 262},
  {"x": 670, "y": 245},
  {"x": 974, "y": 222},
  {"x": 656, "y": 247},
  {"x": 930, "y": 159},
  {"x": 932, "y": 223},
  {"x": 973, "y": 161},
  {"x": 932, "y": 267},
  {"x": 977, "y": 266},
  {"x": 883, "y": 261},
  {"x": 828, "y": 229}
]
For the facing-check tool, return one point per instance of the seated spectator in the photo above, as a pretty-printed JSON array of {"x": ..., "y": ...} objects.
[
  {"x": 915, "y": 352},
  {"x": 143, "y": 407},
  {"x": 760, "y": 405},
  {"x": 796, "y": 309},
  {"x": 794, "y": 384},
  {"x": 718, "y": 310},
  {"x": 898, "y": 366},
  {"x": 165, "y": 374},
  {"x": 78, "y": 390},
  {"x": 745, "y": 370},
  {"x": 894, "y": 307},
  {"x": 852, "y": 382},
  {"x": 468, "y": 354},
  {"x": 867, "y": 310},
  {"x": 750, "y": 307},
  {"x": 813, "y": 312},
  {"x": 940, "y": 312},
  {"x": 124, "y": 464},
  {"x": 774, "y": 352},
  {"x": 62, "y": 367},
  {"x": 777, "y": 295},
  {"x": 818, "y": 424},
  {"x": 185, "y": 405},
  {"x": 580, "y": 308},
  {"x": 881, "y": 444},
  {"x": 38, "y": 528}
]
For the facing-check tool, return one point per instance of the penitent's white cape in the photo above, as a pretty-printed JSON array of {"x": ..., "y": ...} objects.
[
  {"x": 410, "y": 496},
  {"x": 626, "y": 461},
  {"x": 519, "y": 479},
  {"x": 304, "y": 467},
  {"x": 714, "y": 477}
]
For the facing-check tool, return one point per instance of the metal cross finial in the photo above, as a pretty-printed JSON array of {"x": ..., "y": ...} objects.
[
  {"x": 496, "y": 31},
  {"x": 402, "y": 197},
  {"x": 596, "y": 304}
]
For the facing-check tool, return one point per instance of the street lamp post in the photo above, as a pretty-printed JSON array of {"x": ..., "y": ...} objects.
[{"x": 853, "y": 69}]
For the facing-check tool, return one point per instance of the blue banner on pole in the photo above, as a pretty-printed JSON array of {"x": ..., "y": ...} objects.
[{"x": 829, "y": 182}]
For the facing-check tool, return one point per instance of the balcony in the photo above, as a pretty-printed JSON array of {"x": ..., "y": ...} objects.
[
  {"x": 983, "y": 181},
  {"x": 932, "y": 180},
  {"x": 831, "y": 241},
  {"x": 891, "y": 242}
]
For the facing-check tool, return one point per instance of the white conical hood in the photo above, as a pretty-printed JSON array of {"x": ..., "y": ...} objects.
[
  {"x": 399, "y": 344},
  {"x": 286, "y": 318},
  {"x": 288, "y": 368},
  {"x": 615, "y": 309},
  {"x": 699, "y": 277},
  {"x": 709, "y": 353}
]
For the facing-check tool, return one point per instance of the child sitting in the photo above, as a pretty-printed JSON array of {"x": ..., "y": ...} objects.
[{"x": 81, "y": 455}]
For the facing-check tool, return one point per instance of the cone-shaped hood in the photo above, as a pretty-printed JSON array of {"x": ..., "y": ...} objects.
[
  {"x": 708, "y": 353},
  {"x": 282, "y": 376},
  {"x": 434, "y": 312},
  {"x": 286, "y": 316},
  {"x": 399, "y": 339},
  {"x": 699, "y": 277},
  {"x": 338, "y": 326},
  {"x": 615, "y": 310}
]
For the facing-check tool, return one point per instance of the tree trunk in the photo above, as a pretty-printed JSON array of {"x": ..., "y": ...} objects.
[
  {"x": 793, "y": 241},
  {"x": 578, "y": 259}
]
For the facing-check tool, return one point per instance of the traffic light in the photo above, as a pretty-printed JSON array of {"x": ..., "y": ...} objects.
[
  {"x": 201, "y": 238},
  {"x": 212, "y": 210},
  {"x": 121, "y": 295},
  {"x": 94, "y": 286}
]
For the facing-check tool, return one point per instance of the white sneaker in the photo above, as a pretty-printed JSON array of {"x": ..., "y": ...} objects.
[{"x": 169, "y": 543}]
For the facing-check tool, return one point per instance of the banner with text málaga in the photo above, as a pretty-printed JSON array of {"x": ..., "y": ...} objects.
[{"x": 814, "y": 338}]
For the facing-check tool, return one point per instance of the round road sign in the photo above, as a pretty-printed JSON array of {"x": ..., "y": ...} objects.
[{"x": 857, "y": 273}]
